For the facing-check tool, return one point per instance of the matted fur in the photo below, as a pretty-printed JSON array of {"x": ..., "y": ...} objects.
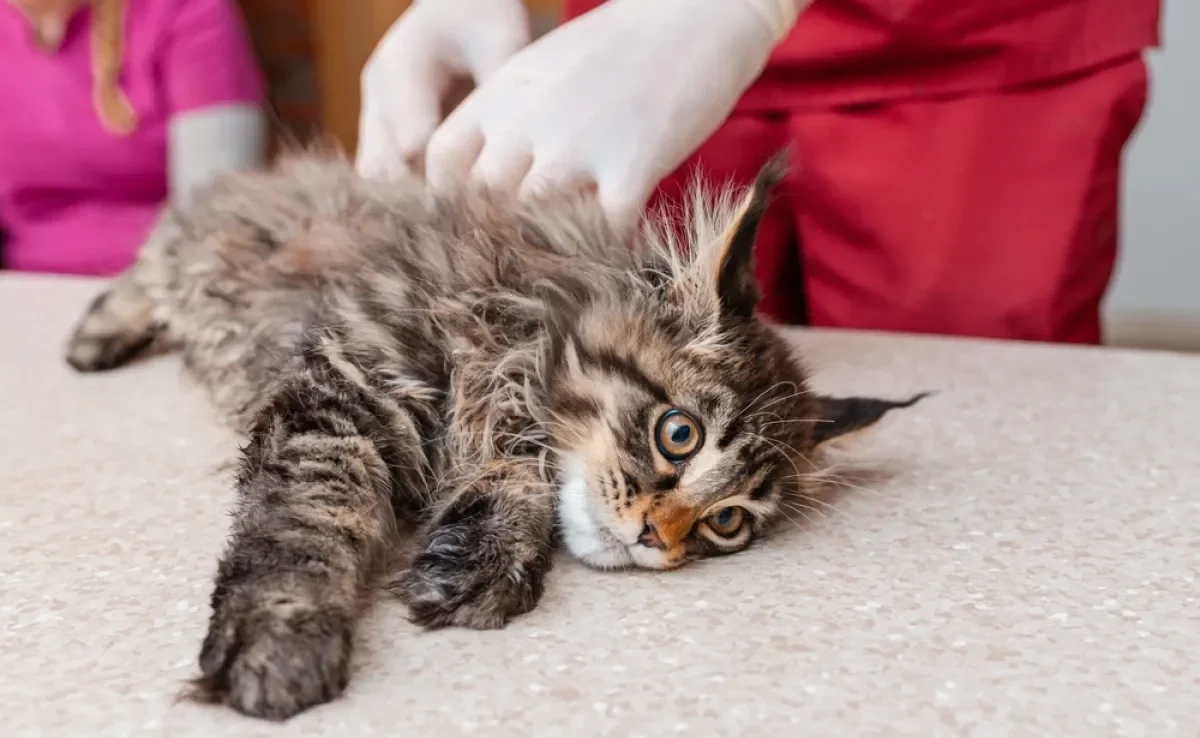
[{"x": 491, "y": 372}]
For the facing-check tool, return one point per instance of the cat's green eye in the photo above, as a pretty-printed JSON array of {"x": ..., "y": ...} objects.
[
  {"x": 727, "y": 521},
  {"x": 678, "y": 435}
]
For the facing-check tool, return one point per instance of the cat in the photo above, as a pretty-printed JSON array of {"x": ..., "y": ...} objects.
[{"x": 504, "y": 377}]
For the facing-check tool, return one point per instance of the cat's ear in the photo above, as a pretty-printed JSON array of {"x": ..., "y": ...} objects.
[
  {"x": 841, "y": 418},
  {"x": 737, "y": 291}
]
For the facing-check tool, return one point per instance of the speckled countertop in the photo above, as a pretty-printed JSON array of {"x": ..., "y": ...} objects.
[{"x": 1020, "y": 560}]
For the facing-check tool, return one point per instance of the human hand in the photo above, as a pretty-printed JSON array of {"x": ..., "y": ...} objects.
[
  {"x": 614, "y": 99},
  {"x": 414, "y": 66}
]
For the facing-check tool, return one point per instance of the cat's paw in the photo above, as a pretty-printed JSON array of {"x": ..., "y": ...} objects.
[
  {"x": 276, "y": 661},
  {"x": 477, "y": 568},
  {"x": 115, "y": 330},
  {"x": 449, "y": 584}
]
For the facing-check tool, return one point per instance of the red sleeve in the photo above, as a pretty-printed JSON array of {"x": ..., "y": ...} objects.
[{"x": 208, "y": 57}]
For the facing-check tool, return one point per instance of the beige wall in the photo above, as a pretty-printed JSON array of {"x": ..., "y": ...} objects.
[{"x": 1155, "y": 301}]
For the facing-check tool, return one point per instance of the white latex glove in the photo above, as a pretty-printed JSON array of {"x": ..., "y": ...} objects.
[
  {"x": 615, "y": 99},
  {"x": 409, "y": 73}
]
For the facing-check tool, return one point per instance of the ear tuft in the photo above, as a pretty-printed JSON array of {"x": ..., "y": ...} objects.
[
  {"x": 843, "y": 416},
  {"x": 736, "y": 288}
]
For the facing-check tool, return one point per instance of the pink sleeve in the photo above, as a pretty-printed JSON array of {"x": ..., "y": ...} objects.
[{"x": 208, "y": 59}]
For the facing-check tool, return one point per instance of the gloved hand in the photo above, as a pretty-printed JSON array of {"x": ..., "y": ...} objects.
[
  {"x": 615, "y": 99},
  {"x": 413, "y": 67}
]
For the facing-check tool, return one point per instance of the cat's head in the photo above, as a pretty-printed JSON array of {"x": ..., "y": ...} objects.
[{"x": 682, "y": 425}]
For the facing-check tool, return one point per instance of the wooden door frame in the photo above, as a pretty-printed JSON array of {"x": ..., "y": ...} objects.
[{"x": 344, "y": 34}]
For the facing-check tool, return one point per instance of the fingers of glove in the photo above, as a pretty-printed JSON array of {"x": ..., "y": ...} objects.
[
  {"x": 555, "y": 174},
  {"x": 376, "y": 154},
  {"x": 401, "y": 109},
  {"x": 503, "y": 164},
  {"x": 622, "y": 197},
  {"x": 378, "y": 158},
  {"x": 453, "y": 150}
]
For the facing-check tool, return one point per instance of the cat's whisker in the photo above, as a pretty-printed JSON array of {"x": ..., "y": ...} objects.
[
  {"x": 835, "y": 481},
  {"x": 815, "y": 499},
  {"x": 800, "y": 510},
  {"x": 781, "y": 399},
  {"x": 789, "y": 421},
  {"x": 786, "y": 514},
  {"x": 783, "y": 451},
  {"x": 750, "y": 405}
]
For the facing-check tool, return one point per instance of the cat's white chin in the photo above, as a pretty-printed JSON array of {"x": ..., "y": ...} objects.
[
  {"x": 590, "y": 540},
  {"x": 585, "y": 539}
]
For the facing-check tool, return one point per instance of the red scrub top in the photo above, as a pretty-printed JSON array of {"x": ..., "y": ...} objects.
[
  {"x": 956, "y": 163},
  {"x": 870, "y": 51}
]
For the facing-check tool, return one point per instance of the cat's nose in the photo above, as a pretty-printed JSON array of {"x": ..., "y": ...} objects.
[
  {"x": 667, "y": 524},
  {"x": 650, "y": 537}
]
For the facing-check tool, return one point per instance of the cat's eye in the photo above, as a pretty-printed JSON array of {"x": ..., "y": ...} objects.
[
  {"x": 727, "y": 521},
  {"x": 678, "y": 435}
]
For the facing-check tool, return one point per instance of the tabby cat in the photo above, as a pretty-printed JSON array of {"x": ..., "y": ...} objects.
[{"x": 498, "y": 376}]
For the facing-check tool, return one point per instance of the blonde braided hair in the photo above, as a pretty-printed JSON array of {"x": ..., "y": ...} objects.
[{"x": 108, "y": 53}]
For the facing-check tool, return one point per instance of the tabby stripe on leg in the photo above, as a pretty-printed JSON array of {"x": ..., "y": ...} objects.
[{"x": 321, "y": 482}]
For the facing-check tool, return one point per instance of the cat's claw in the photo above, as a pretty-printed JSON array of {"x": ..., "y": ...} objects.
[{"x": 274, "y": 664}]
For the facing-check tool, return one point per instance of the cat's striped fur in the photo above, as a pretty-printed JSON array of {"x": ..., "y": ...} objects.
[{"x": 491, "y": 373}]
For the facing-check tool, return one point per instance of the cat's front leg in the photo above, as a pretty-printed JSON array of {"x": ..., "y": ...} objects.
[
  {"x": 484, "y": 557},
  {"x": 316, "y": 520}
]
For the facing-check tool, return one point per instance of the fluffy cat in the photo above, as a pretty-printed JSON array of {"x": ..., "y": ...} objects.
[{"x": 500, "y": 376}]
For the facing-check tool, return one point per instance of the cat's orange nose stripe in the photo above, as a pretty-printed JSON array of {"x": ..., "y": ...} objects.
[{"x": 669, "y": 524}]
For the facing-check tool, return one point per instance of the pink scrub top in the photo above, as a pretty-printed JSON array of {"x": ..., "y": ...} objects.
[{"x": 75, "y": 198}]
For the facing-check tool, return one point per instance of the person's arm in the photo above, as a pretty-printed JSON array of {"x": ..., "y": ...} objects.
[
  {"x": 215, "y": 92},
  {"x": 207, "y": 142}
]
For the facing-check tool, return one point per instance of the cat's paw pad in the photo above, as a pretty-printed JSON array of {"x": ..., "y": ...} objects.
[
  {"x": 273, "y": 665},
  {"x": 468, "y": 576}
]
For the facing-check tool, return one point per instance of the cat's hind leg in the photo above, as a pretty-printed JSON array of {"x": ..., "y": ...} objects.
[
  {"x": 126, "y": 319},
  {"x": 118, "y": 326}
]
